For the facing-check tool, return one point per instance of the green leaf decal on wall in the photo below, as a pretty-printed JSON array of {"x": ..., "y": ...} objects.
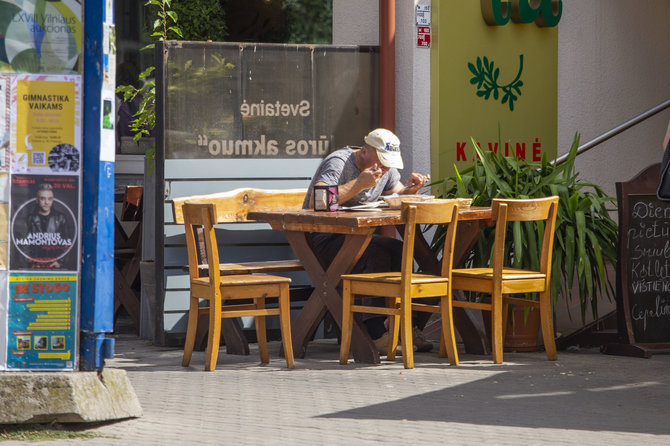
[{"x": 485, "y": 77}]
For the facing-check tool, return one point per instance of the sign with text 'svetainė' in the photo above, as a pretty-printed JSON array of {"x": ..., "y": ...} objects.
[
  {"x": 266, "y": 101},
  {"x": 494, "y": 80}
]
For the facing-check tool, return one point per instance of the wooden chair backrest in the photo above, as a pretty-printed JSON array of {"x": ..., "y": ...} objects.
[
  {"x": 233, "y": 206},
  {"x": 532, "y": 209},
  {"x": 132, "y": 203},
  {"x": 429, "y": 212},
  {"x": 200, "y": 218},
  {"x": 524, "y": 209}
]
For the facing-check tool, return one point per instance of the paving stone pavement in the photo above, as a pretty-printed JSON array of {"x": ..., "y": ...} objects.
[{"x": 583, "y": 398}]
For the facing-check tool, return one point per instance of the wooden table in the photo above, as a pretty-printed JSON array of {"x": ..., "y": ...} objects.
[{"x": 358, "y": 228}]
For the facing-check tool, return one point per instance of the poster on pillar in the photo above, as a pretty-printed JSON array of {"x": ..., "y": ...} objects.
[
  {"x": 4, "y": 302},
  {"x": 40, "y": 36},
  {"x": 5, "y": 118},
  {"x": 46, "y": 124},
  {"x": 494, "y": 76},
  {"x": 42, "y": 323},
  {"x": 44, "y": 223}
]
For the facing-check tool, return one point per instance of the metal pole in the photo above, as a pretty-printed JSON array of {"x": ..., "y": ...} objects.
[
  {"x": 615, "y": 131},
  {"x": 387, "y": 64},
  {"x": 97, "y": 271}
]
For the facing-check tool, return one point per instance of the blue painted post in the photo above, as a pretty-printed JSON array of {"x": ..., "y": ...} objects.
[{"x": 97, "y": 269}]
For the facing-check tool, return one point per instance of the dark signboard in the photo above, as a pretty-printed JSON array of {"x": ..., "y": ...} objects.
[
  {"x": 648, "y": 268},
  {"x": 643, "y": 269},
  {"x": 266, "y": 101}
]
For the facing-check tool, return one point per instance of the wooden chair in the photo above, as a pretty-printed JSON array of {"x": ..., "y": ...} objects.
[
  {"x": 499, "y": 281},
  {"x": 401, "y": 288},
  {"x": 218, "y": 289},
  {"x": 232, "y": 207}
]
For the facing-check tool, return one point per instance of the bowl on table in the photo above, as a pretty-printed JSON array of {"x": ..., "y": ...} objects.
[{"x": 395, "y": 201}]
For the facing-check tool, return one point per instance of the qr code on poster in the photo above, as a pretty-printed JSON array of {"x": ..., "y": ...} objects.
[{"x": 39, "y": 158}]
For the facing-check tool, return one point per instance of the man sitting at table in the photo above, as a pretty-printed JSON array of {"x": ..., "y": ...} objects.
[{"x": 363, "y": 174}]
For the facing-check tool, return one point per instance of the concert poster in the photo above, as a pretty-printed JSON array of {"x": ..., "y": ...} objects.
[{"x": 44, "y": 223}]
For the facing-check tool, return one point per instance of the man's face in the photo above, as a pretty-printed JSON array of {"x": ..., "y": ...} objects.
[
  {"x": 372, "y": 159},
  {"x": 45, "y": 200}
]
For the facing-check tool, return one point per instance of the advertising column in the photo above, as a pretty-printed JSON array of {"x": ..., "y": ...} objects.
[{"x": 40, "y": 172}]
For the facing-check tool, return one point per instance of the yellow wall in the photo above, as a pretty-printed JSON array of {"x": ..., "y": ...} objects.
[{"x": 460, "y": 37}]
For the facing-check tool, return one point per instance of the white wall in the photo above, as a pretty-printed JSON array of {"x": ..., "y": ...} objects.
[{"x": 613, "y": 64}]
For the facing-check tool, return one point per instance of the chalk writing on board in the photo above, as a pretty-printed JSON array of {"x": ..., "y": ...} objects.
[{"x": 648, "y": 268}]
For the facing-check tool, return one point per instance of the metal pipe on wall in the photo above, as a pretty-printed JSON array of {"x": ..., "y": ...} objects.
[{"x": 387, "y": 64}]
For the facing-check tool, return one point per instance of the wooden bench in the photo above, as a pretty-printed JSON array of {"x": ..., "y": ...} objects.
[{"x": 233, "y": 207}]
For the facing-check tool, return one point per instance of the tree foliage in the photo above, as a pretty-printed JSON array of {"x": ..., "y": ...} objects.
[
  {"x": 309, "y": 21},
  {"x": 200, "y": 20}
]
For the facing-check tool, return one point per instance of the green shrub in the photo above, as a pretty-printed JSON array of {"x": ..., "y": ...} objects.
[{"x": 586, "y": 235}]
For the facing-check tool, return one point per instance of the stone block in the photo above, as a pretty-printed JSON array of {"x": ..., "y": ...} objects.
[{"x": 66, "y": 397}]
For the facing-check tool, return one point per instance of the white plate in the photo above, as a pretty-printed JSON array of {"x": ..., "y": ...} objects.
[{"x": 371, "y": 206}]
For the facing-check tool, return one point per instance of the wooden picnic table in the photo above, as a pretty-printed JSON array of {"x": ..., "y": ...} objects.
[{"x": 358, "y": 227}]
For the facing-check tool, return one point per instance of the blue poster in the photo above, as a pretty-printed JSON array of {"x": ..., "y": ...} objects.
[{"x": 41, "y": 329}]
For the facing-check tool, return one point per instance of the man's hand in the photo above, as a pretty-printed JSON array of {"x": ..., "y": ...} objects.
[
  {"x": 369, "y": 177},
  {"x": 415, "y": 182}
]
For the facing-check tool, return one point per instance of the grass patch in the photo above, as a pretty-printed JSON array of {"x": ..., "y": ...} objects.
[{"x": 45, "y": 432}]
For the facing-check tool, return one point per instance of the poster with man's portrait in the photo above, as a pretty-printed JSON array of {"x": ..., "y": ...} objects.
[{"x": 44, "y": 222}]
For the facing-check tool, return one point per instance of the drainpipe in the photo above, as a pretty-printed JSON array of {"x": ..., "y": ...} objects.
[{"x": 387, "y": 64}]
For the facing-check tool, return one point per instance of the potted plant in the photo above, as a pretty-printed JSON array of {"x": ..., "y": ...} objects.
[{"x": 586, "y": 234}]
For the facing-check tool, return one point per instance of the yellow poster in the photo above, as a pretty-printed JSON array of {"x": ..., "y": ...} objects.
[
  {"x": 47, "y": 128},
  {"x": 493, "y": 77}
]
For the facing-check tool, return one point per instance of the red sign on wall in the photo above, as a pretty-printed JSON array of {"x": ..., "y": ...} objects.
[{"x": 423, "y": 36}]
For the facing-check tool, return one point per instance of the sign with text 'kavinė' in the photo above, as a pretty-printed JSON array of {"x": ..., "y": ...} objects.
[{"x": 494, "y": 79}]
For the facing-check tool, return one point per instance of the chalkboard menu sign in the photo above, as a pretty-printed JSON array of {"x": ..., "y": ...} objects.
[
  {"x": 643, "y": 270},
  {"x": 648, "y": 268}
]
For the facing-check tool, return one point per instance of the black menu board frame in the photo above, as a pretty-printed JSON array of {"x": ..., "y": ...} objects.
[{"x": 643, "y": 287}]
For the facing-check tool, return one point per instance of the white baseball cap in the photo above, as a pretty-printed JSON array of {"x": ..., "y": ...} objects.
[{"x": 387, "y": 146}]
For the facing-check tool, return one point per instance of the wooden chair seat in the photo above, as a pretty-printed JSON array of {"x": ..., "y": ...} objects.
[
  {"x": 268, "y": 266},
  {"x": 513, "y": 280},
  {"x": 242, "y": 280},
  {"x": 502, "y": 282},
  {"x": 220, "y": 290},
  {"x": 507, "y": 273},
  {"x": 401, "y": 288}
]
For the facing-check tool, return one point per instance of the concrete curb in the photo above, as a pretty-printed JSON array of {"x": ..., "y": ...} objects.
[{"x": 67, "y": 397}]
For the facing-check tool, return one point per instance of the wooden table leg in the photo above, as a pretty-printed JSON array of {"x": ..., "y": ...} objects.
[
  {"x": 326, "y": 295},
  {"x": 232, "y": 332}
]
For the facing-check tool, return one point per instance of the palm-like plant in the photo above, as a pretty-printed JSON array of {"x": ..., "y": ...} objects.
[{"x": 586, "y": 235}]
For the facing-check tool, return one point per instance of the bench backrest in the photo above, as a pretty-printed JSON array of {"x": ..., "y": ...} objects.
[{"x": 233, "y": 206}]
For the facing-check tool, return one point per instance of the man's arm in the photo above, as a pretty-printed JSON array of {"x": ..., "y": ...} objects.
[
  {"x": 416, "y": 179},
  {"x": 367, "y": 179}
]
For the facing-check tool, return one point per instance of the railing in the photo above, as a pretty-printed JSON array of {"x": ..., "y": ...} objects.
[{"x": 615, "y": 131}]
